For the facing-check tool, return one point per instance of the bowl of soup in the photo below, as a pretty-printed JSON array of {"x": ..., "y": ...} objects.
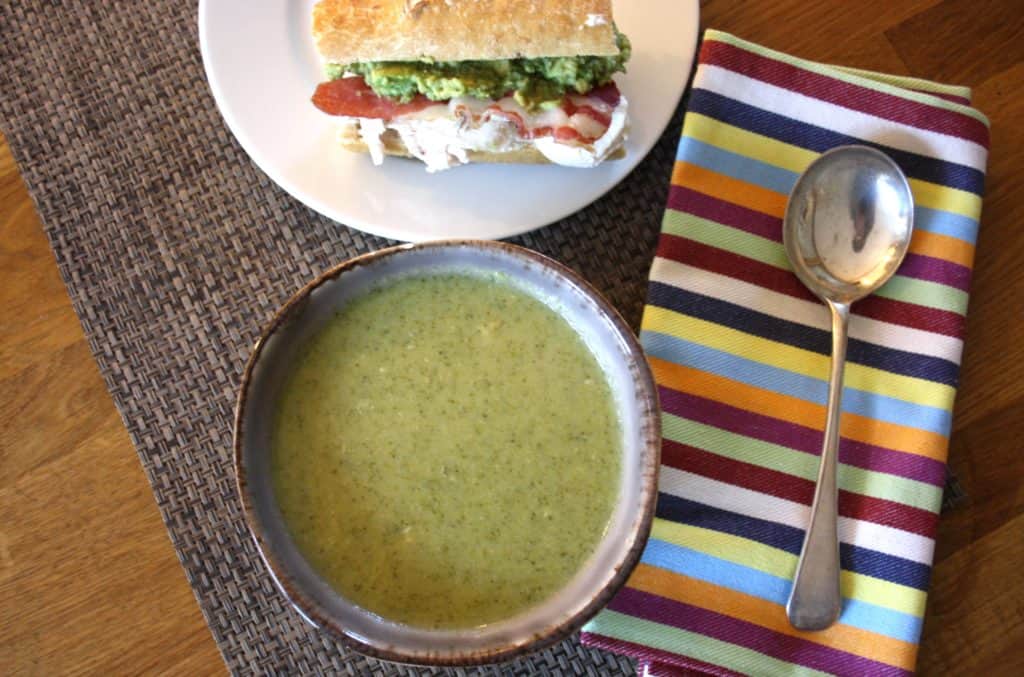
[{"x": 447, "y": 452}]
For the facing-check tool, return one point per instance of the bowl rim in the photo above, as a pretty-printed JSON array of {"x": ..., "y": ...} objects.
[{"x": 646, "y": 394}]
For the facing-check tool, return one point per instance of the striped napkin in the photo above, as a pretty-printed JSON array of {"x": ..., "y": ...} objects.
[{"x": 740, "y": 350}]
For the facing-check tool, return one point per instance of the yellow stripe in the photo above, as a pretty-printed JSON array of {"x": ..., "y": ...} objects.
[
  {"x": 795, "y": 159},
  {"x": 782, "y": 564},
  {"x": 749, "y": 144},
  {"x": 797, "y": 360},
  {"x": 944, "y": 198}
]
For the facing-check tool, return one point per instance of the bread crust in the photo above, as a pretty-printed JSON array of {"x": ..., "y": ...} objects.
[
  {"x": 394, "y": 146},
  {"x": 347, "y": 31}
]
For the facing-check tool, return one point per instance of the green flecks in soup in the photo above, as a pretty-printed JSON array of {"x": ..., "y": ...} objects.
[{"x": 447, "y": 452}]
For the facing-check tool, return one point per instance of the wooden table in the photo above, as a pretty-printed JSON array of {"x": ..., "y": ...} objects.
[{"x": 89, "y": 581}]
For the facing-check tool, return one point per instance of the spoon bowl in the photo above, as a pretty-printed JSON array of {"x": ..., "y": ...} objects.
[
  {"x": 848, "y": 223},
  {"x": 846, "y": 230}
]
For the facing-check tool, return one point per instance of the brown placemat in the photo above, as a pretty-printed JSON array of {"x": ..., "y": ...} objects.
[{"x": 176, "y": 249}]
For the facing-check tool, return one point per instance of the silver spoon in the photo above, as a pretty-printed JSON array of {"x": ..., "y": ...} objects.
[{"x": 847, "y": 228}]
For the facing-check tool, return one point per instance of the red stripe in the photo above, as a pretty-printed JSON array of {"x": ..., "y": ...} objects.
[
  {"x": 727, "y": 263},
  {"x": 934, "y": 269},
  {"x": 715, "y": 260},
  {"x": 911, "y": 315},
  {"x": 845, "y": 94},
  {"x": 646, "y": 654},
  {"x": 797, "y": 489}
]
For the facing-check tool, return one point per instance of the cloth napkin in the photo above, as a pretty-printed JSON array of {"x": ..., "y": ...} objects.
[{"x": 740, "y": 351}]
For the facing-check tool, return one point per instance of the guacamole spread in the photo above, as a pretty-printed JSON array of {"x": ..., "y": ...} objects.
[{"x": 534, "y": 81}]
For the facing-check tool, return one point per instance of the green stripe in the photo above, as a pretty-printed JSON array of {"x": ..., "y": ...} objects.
[
  {"x": 721, "y": 236},
  {"x": 927, "y": 293},
  {"x": 714, "y": 234},
  {"x": 877, "y": 81},
  {"x": 783, "y": 459},
  {"x": 707, "y": 649}
]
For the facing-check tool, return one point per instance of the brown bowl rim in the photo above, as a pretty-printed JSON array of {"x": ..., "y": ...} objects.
[{"x": 647, "y": 396}]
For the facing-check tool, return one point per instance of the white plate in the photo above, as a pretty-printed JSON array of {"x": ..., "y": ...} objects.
[{"x": 263, "y": 68}]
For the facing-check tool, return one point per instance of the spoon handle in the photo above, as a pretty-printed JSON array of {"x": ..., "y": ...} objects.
[{"x": 814, "y": 602}]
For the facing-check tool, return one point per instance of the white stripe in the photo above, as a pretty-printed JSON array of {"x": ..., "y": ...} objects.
[
  {"x": 807, "y": 313},
  {"x": 837, "y": 118},
  {"x": 743, "y": 501}
]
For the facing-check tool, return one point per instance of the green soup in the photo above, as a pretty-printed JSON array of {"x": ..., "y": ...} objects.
[{"x": 446, "y": 452}]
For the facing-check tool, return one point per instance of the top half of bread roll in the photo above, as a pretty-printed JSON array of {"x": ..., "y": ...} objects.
[{"x": 348, "y": 31}]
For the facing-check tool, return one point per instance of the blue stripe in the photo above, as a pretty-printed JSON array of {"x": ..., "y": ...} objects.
[
  {"x": 820, "y": 139},
  {"x": 696, "y": 564},
  {"x": 781, "y": 180},
  {"x": 798, "y": 335},
  {"x": 784, "y": 537},
  {"x": 860, "y": 402},
  {"x": 946, "y": 223},
  {"x": 735, "y": 165}
]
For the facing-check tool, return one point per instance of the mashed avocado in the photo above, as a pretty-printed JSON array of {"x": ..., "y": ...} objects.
[{"x": 534, "y": 81}]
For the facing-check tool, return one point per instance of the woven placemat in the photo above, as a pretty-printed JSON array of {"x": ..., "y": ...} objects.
[{"x": 175, "y": 250}]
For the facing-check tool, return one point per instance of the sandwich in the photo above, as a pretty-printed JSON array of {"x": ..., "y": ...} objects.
[{"x": 457, "y": 81}]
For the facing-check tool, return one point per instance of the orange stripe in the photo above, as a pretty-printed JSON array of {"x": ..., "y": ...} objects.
[
  {"x": 795, "y": 410},
  {"x": 735, "y": 191},
  {"x": 942, "y": 247},
  {"x": 729, "y": 189},
  {"x": 769, "y": 615}
]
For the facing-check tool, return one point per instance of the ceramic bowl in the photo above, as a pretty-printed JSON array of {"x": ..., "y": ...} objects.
[{"x": 607, "y": 336}]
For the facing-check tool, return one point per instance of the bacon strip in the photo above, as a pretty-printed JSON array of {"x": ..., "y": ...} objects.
[
  {"x": 352, "y": 97},
  {"x": 608, "y": 93}
]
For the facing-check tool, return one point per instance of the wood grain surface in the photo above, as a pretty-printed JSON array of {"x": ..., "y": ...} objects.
[{"x": 89, "y": 582}]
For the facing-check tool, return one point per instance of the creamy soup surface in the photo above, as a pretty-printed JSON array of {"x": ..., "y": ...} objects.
[{"x": 446, "y": 453}]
